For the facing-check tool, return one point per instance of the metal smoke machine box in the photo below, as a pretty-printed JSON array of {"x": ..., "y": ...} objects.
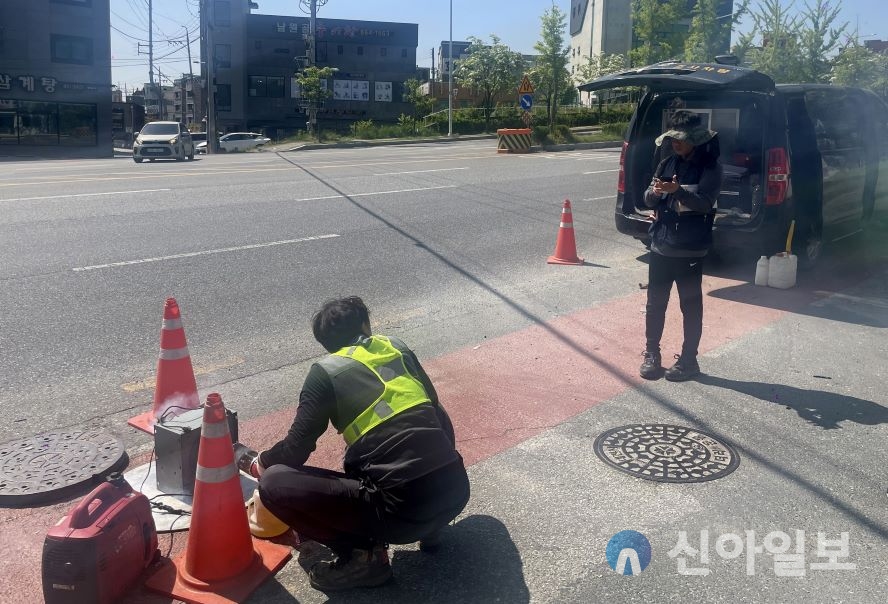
[{"x": 176, "y": 443}]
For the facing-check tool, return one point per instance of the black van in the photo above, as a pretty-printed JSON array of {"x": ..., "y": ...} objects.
[{"x": 816, "y": 154}]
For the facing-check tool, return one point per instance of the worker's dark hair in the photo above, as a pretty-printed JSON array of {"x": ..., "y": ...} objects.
[
  {"x": 339, "y": 322},
  {"x": 684, "y": 120}
]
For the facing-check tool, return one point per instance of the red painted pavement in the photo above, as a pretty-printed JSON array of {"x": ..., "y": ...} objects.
[{"x": 499, "y": 393}]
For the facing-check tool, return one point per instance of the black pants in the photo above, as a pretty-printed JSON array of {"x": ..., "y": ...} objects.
[
  {"x": 687, "y": 274},
  {"x": 344, "y": 514}
]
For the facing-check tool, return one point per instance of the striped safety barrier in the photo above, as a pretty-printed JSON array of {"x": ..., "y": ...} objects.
[{"x": 513, "y": 140}]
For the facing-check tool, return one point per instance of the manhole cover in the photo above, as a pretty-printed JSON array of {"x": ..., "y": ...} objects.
[
  {"x": 666, "y": 453},
  {"x": 49, "y": 465}
]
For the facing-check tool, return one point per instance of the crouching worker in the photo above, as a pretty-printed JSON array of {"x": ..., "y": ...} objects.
[{"x": 403, "y": 479}]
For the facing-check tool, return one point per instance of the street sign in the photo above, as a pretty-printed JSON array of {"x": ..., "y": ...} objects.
[
  {"x": 526, "y": 87},
  {"x": 526, "y": 101}
]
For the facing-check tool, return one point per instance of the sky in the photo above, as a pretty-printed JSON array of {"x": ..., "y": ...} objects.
[{"x": 516, "y": 22}]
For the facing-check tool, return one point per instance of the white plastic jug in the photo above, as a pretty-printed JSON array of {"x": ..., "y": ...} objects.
[
  {"x": 782, "y": 269},
  {"x": 761, "y": 271}
]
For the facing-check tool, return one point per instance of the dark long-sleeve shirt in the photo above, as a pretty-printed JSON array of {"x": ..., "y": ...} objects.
[{"x": 408, "y": 446}]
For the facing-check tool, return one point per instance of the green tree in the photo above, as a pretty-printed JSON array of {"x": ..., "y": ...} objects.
[
  {"x": 422, "y": 103},
  {"x": 657, "y": 37},
  {"x": 709, "y": 30},
  {"x": 819, "y": 39},
  {"x": 778, "y": 53},
  {"x": 490, "y": 70},
  {"x": 550, "y": 71},
  {"x": 856, "y": 65},
  {"x": 599, "y": 65},
  {"x": 314, "y": 90}
]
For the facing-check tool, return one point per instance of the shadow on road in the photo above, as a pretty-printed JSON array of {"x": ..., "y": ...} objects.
[
  {"x": 818, "y": 407},
  {"x": 477, "y": 562}
]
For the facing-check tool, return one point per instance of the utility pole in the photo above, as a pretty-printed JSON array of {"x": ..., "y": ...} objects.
[
  {"x": 190, "y": 82},
  {"x": 450, "y": 77},
  {"x": 208, "y": 55}
]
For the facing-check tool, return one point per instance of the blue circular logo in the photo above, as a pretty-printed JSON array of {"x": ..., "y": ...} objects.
[{"x": 628, "y": 552}]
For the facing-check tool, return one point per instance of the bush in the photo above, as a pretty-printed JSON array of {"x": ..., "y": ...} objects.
[{"x": 615, "y": 129}]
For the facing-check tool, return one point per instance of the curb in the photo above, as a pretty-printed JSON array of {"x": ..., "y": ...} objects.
[{"x": 382, "y": 143}]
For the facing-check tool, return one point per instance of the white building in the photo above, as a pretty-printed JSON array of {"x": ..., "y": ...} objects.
[{"x": 598, "y": 27}]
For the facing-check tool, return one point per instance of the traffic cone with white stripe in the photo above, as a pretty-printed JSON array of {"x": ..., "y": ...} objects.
[
  {"x": 565, "y": 245},
  {"x": 175, "y": 390},
  {"x": 222, "y": 561}
]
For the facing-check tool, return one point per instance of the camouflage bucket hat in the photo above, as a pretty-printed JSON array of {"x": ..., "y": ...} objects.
[{"x": 696, "y": 136}]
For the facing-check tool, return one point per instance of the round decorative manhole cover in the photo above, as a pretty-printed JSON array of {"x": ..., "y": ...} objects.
[
  {"x": 666, "y": 453},
  {"x": 50, "y": 465}
]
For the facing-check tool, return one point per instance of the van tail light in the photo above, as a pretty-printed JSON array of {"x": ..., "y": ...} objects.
[
  {"x": 778, "y": 176},
  {"x": 621, "y": 182}
]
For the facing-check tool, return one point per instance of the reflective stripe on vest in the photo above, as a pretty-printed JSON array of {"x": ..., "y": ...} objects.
[{"x": 401, "y": 390}]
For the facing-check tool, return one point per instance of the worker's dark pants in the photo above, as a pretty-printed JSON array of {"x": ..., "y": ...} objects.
[
  {"x": 687, "y": 274},
  {"x": 339, "y": 512}
]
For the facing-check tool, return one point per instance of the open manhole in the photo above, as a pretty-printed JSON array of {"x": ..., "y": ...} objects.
[
  {"x": 666, "y": 453},
  {"x": 51, "y": 465}
]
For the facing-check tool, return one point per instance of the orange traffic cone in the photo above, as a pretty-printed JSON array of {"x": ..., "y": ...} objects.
[
  {"x": 175, "y": 390},
  {"x": 565, "y": 245},
  {"x": 222, "y": 561}
]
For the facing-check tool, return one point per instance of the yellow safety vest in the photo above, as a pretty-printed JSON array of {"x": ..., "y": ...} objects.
[{"x": 361, "y": 371}]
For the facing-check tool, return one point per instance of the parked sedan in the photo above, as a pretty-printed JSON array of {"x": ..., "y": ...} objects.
[{"x": 242, "y": 141}]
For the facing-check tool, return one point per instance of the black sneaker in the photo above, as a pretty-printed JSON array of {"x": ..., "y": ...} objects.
[
  {"x": 364, "y": 568},
  {"x": 684, "y": 369},
  {"x": 651, "y": 368}
]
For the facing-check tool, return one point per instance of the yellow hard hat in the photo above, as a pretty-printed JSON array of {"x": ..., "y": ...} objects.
[{"x": 263, "y": 524}]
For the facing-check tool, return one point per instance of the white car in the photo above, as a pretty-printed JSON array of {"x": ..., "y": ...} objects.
[
  {"x": 242, "y": 141},
  {"x": 164, "y": 140}
]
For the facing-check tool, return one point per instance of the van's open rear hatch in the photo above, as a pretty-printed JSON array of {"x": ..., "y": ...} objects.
[{"x": 672, "y": 75}]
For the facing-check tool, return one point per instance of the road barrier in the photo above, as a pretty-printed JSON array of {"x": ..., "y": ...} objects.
[{"x": 513, "y": 140}]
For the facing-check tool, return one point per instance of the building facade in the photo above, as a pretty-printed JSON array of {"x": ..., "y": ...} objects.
[
  {"x": 256, "y": 57},
  {"x": 55, "y": 78}
]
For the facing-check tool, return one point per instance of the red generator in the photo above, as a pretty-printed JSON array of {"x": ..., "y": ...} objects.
[{"x": 99, "y": 550}]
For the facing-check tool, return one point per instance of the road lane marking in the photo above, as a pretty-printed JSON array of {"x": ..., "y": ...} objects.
[
  {"x": 337, "y": 196},
  {"x": 149, "y": 383},
  {"x": 602, "y": 171},
  {"x": 419, "y": 171},
  {"x": 201, "y": 253},
  {"x": 597, "y": 198},
  {"x": 399, "y": 161},
  {"x": 84, "y": 195}
]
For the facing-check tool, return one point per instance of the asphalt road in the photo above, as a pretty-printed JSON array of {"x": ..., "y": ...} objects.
[
  {"x": 439, "y": 240},
  {"x": 448, "y": 243}
]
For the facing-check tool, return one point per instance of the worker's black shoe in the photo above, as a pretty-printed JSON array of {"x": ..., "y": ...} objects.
[
  {"x": 685, "y": 368},
  {"x": 431, "y": 542},
  {"x": 364, "y": 568},
  {"x": 312, "y": 552},
  {"x": 651, "y": 367}
]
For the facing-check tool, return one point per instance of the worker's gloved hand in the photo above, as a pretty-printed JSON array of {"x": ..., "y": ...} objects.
[{"x": 246, "y": 459}]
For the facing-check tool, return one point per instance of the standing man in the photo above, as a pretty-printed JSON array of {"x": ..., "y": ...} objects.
[
  {"x": 403, "y": 479},
  {"x": 683, "y": 194}
]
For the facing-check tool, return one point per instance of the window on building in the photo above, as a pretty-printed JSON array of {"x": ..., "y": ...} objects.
[
  {"x": 257, "y": 86},
  {"x": 222, "y": 13},
  {"x": 282, "y": 51},
  {"x": 403, "y": 53},
  {"x": 38, "y": 123},
  {"x": 360, "y": 51},
  {"x": 222, "y": 55},
  {"x": 383, "y": 51},
  {"x": 74, "y": 2},
  {"x": 257, "y": 44},
  {"x": 276, "y": 87},
  {"x": 321, "y": 52},
  {"x": 71, "y": 49},
  {"x": 339, "y": 49},
  {"x": 223, "y": 97}
]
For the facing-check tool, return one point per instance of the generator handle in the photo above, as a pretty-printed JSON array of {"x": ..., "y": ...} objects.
[{"x": 82, "y": 515}]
